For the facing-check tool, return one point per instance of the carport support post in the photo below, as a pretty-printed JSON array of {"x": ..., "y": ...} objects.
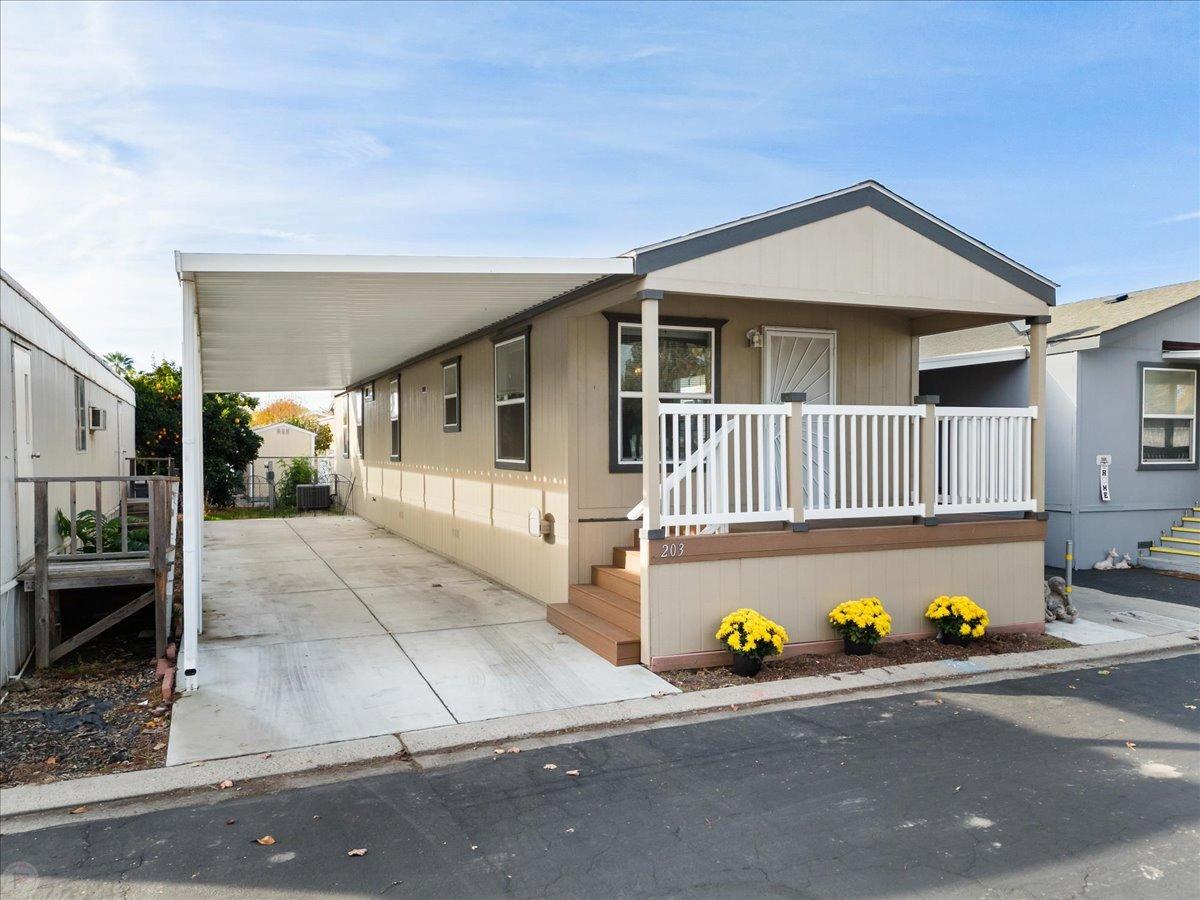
[
  {"x": 651, "y": 502},
  {"x": 1037, "y": 399},
  {"x": 193, "y": 485}
]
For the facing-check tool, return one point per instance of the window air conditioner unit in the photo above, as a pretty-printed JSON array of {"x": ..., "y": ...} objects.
[{"x": 97, "y": 418}]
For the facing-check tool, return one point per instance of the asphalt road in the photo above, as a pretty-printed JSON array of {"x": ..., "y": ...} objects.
[
  {"x": 1082, "y": 783},
  {"x": 1138, "y": 582}
]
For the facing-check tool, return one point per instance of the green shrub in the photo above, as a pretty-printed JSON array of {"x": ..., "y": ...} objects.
[
  {"x": 298, "y": 471},
  {"x": 85, "y": 533}
]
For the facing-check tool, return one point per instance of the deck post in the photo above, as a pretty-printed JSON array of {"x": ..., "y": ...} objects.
[
  {"x": 193, "y": 486},
  {"x": 928, "y": 461},
  {"x": 795, "y": 458},
  {"x": 1037, "y": 400},
  {"x": 41, "y": 584},
  {"x": 650, "y": 448}
]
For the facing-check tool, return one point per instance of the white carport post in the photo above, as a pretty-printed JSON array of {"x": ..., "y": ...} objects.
[{"x": 193, "y": 481}]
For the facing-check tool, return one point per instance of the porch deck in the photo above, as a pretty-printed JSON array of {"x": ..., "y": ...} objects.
[{"x": 327, "y": 628}]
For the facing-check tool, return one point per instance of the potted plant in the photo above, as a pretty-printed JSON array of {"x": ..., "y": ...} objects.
[
  {"x": 862, "y": 623},
  {"x": 959, "y": 620},
  {"x": 750, "y": 636}
]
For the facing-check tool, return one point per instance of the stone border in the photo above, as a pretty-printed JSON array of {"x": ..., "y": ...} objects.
[{"x": 26, "y": 799}]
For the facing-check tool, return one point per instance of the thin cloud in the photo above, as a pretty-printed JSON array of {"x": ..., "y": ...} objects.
[{"x": 1182, "y": 217}]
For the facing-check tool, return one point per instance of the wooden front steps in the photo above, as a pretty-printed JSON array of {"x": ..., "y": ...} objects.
[{"x": 605, "y": 616}]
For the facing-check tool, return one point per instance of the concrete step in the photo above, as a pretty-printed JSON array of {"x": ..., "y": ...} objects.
[
  {"x": 629, "y": 558},
  {"x": 1176, "y": 551},
  {"x": 1167, "y": 563},
  {"x": 1192, "y": 519},
  {"x": 1184, "y": 541},
  {"x": 618, "y": 646},
  {"x": 619, "y": 581},
  {"x": 1179, "y": 529},
  {"x": 619, "y": 610}
]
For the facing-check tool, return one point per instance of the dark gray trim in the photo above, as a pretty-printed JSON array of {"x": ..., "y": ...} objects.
[
  {"x": 455, "y": 361},
  {"x": 648, "y": 295},
  {"x": 794, "y": 396},
  {"x": 799, "y": 527},
  {"x": 927, "y": 399},
  {"x": 1037, "y": 320},
  {"x": 615, "y": 466},
  {"x": 868, "y": 194},
  {"x": 656, "y": 534},
  {"x": 1166, "y": 467},
  {"x": 928, "y": 520},
  {"x": 527, "y": 464},
  {"x": 606, "y": 519},
  {"x": 399, "y": 443}
]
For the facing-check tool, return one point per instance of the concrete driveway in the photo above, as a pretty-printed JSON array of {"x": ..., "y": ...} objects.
[{"x": 327, "y": 628}]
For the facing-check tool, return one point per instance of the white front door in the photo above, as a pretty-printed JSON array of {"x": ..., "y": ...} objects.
[
  {"x": 799, "y": 359},
  {"x": 23, "y": 434},
  {"x": 794, "y": 360}
]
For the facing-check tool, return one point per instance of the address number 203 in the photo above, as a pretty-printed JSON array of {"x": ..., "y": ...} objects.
[{"x": 671, "y": 551}]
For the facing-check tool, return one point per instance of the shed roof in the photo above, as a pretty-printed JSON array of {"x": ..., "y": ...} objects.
[{"x": 1072, "y": 321}]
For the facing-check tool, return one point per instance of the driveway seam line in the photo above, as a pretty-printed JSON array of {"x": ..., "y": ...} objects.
[{"x": 371, "y": 613}]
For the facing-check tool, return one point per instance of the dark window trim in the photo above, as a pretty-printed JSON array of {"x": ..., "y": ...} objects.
[
  {"x": 396, "y": 436},
  {"x": 1141, "y": 384},
  {"x": 360, "y": 424},
  {"x": 456, "y": 361},
  {"x": 500, "y": 338},
  {"x": 615, "y": 466},
  {"x": 346, "y": 427}
]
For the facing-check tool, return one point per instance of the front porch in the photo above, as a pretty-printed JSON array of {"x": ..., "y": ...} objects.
[{"x": 328, "y": 628}]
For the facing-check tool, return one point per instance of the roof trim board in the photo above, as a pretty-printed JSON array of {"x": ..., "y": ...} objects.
[{"x": 871, "y": 194}]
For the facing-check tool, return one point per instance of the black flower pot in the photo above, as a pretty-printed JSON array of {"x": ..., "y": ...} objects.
[
  {"x": 857, "y": 648},
  {"x": 746, "y": 664},
  {"x": 954, "y": 639}
]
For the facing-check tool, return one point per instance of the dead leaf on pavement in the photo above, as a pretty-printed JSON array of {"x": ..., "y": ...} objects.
[
  {"x": 1130, "y": 744},
  {"x": 266, "y": 840},
  {"x": 498, "y": 751},
  {"x": 574, "y": 773},
  {"x": 230, "y": 821},
  {"x": 161, "y": 745},
  {"x": 514, "y": 750},
  {"x": 1104, "y": 672},
  {"x": 226, "y": 784},
  {"x": 77, "y": 810},
  {"x": 550, "y": 766},
  {"x": 361, "y": 851}
]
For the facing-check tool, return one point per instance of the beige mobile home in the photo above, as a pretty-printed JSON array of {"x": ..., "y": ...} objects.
[
  {"x": 494, "y": 411},
  {"x": 65, "y": 413}
]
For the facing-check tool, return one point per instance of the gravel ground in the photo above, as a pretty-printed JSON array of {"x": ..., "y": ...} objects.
[
  {"x": 99, "y": 711},
  {"x": 890, "y": 653}
]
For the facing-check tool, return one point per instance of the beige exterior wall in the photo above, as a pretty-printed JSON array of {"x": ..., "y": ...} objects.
[
  {"x": 798, "y": 591},
  {"x": 283, "y": 440}
]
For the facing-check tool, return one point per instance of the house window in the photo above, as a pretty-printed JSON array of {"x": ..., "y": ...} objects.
[
  {"x": 346, "y": 427},
  {"x": 451, "y": 400},
  {"x": 511, "y": 358},
  {"x": 360, "y": 424},
  {"x": 81, "y": 423},
  {"x": 1168, "y": 416},
  {"x": 369, "y": 393},
  {"x": 394, "y": 414},
  {"x": 687, "y": 373}
]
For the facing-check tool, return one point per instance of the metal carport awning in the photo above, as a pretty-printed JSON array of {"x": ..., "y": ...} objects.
[{"x": 284, "y": 322}]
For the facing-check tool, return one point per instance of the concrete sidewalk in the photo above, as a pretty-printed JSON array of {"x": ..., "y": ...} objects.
[{"x": 1108, "y": 618}]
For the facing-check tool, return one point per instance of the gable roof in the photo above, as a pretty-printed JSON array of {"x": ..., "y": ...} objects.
[
  {"x": 864, "y": 194},
  {"x": 1072, "y": 321},
  {"x": 282, "y": 425}
]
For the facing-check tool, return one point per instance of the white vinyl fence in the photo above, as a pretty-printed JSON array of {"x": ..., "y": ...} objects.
[{"x": 984, "y": 459}]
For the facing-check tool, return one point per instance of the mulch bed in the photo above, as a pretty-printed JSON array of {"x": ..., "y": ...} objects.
[
  {"x": 889, "y": 653},
  {"x": 99, "y": 710}
]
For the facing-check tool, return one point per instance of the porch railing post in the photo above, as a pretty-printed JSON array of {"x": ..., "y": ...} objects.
[
  {"x": 795, "y": 458},
  {"x": 650, "y": 449},
  {"x": 41, "y": 583},
  {"x": 928, "y": 458},
  {"x": 1037, "y": 399}
]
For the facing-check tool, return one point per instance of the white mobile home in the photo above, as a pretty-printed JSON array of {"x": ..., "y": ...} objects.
[{"x": 64, "y": 412}]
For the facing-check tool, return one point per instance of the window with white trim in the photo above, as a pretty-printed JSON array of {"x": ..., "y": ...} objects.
[
  {"x": 394, "y": 414},
  {"x": 346, "y": 426},
  {"x": 1168, "y": 416},
  {"x": 511, "y": 360},
  {"x": 361, "y": 422},
  {"x": 451, "y": 391},
  {"x": 687, "y": 362},
  {"x": 81, "y": 414}
]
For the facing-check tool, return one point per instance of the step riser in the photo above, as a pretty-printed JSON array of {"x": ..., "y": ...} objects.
[
  {"x": 612, "y": 581},
  {"x": 619, "y": 653},
  {"x": 1184, "y": 542},
  {"x": 1178, "y": 530},
  {"x": 609, "y": 612},
  {"x": 627, "y": 558},
  {"x": 1175, "y": 551}
]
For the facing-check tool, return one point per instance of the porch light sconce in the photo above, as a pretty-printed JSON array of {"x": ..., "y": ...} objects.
[{"x": 754, "y": 338}]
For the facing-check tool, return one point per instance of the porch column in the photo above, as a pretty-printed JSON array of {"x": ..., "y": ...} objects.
[
  {"x": 795, "y": 458},
  {"x": 928, "y": 459},
  {"x": 650, "y": 448},
  {"x": 1037, "y": 398},
  {"x": 193, "y": 487}
]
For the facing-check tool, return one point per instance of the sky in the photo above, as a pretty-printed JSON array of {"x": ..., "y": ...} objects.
[{"x": 1065, "y": 135}]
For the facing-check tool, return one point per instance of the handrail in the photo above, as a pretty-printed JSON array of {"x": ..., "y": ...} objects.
[
  {"x": 692, "y": 462},
  {"x": 59, "y": 479}
]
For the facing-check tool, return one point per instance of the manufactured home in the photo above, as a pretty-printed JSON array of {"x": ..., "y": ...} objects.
[
  {"x": 495, "y": 411},
  {"x": 65, "y": 413},
  {"x": 1123, "y": 468}
]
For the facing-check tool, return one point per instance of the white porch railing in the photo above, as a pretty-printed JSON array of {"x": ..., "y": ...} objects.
[
  {"x": 984, "y": 459},
  {"x": 725, "y": 463},
  {"x": 720, "y": 464},
  {"x": 862, "y": 461}
]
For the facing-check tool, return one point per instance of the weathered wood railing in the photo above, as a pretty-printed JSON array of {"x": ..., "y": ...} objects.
[
  {"x": 724, "y": 464},
  {"x": 74, "y": 561}
]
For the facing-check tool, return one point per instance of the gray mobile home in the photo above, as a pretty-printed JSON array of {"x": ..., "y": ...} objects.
[{"x": 1121, "y": 451}]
